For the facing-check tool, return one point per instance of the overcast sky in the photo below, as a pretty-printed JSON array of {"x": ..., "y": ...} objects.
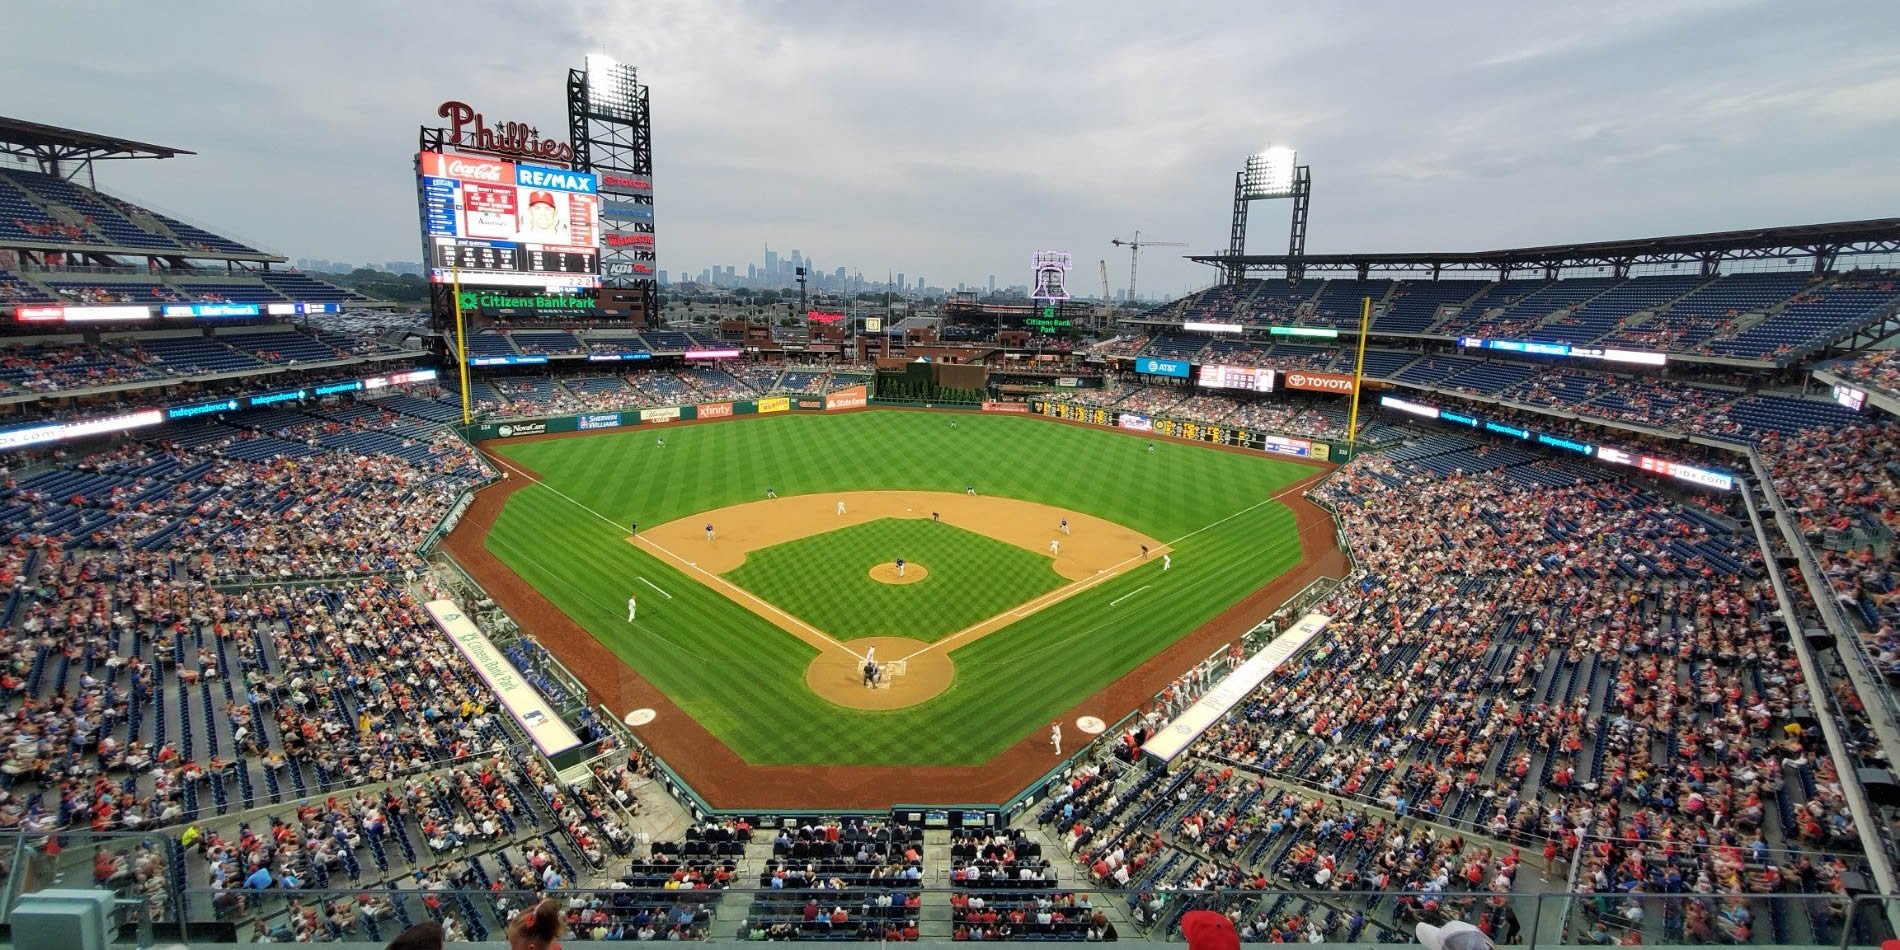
[{"x": 954, "y": 140}]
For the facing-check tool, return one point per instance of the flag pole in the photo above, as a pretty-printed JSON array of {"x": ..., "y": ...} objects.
[
  {"x": 1359, "y": 371},
  {"x": 461, "y": 346}
]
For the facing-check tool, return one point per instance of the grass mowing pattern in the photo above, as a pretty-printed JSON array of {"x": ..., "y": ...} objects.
[
  {"x": 824, "y": 579},
  {"x": 745, "y": 678}
]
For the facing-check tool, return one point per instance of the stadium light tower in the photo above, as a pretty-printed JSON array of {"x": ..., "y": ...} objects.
[{"x": 1273, "y": 173}]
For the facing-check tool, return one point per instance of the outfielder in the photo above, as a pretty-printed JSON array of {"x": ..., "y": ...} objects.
[
  {"x": 769, "y": 493},
  {"x": 633, "y": 607},
  {"x": 1166, "y": 562}
]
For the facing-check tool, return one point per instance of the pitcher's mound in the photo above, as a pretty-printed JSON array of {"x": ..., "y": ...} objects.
[
  {"x": 886, "y": 573},
  {"x": 838, "y": 676}
]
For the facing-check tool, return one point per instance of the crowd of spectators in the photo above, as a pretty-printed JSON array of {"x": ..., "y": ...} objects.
[
  {"x": 52, "y": 368},
  {"x": 1875, "y": 369},
  {"x": 1536, "y": 660},
  {"x": 49, "y": 368}
]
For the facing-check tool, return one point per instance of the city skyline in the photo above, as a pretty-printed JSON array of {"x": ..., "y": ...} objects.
[{"x": 778, "y": 271}]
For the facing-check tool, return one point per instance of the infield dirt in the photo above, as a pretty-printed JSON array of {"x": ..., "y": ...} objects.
[{"x": 1091, "y": 551}]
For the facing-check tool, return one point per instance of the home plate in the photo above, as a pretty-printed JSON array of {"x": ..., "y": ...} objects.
[
  {"x": 641, "y": 717},
  {"x": 1091, "y": 725}
]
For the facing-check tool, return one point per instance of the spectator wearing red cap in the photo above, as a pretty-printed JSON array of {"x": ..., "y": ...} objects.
[{"x": 1206, "y": 930}]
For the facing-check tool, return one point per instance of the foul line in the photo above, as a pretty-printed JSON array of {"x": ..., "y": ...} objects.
[
  {"x": 1117, "y": 601},
  {"x": 1115, "y": 570},
  {"x": 656, "y": 587},
  {"x": 820, "y": 634},
  {"x": 584, "y": 595}
]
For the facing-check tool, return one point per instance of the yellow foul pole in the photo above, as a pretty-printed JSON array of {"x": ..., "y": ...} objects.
[
  {"x": 461, "y": 348},
  {"x": 1359, "y": 370}
]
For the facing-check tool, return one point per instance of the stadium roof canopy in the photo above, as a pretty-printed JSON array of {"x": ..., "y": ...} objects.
[
  {"x": 50, "y": 144},
  {"x": 1822, "y": 242}
]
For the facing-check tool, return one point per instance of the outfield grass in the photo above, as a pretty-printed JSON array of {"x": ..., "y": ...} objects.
[
  {"x": 744, "y": 678},
  {"x": 825, "y": 579}
]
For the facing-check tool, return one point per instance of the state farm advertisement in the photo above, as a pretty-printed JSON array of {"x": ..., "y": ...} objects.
[
  {"x": 1317, "y": 382},
  {"x": 852, "y": 398}
]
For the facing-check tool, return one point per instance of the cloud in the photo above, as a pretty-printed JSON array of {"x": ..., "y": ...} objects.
[{"x": 954, "y": 141}]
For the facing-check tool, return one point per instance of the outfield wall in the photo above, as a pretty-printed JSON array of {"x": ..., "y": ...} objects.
[
  {"x": 627, "y": 418},
  {"x": 1195, "y": 431},
  {"x": 856, "y": 397}
]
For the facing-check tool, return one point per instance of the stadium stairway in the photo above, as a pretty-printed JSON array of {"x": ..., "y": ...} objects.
[{"x": 934, "y": 919}]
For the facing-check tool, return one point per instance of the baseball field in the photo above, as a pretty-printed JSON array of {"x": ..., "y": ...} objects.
[{"x": 1003, "y": 621}]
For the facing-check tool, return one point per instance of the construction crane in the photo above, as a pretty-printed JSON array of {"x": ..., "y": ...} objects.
[
  {"x": 1108, "y": 299},
  {"x": 1134, "y": 256}
]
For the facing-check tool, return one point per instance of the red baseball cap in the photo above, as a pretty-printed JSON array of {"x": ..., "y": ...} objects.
[
  {"x": 1207, "y": 930},
  {"x": 541, "y": 198}
]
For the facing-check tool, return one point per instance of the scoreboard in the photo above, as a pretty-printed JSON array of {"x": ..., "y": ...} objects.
[
  {"x": 1257, "y": 379},
  {"x": 509, "y": 224},
  {"x": 1069, "y": 410}
]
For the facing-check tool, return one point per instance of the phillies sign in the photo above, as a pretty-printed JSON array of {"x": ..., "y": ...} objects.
[
  {"x": 470, "y": 130},
  {"x": 1318, "y": 382}
]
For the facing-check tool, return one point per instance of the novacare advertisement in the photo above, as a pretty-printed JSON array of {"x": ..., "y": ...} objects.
[{"x": 851, "y": 398}]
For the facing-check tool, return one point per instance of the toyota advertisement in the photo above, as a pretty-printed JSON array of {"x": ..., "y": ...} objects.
[
  {"x": 509, "y": 224},
  {"x": 1317, "y": 382}
]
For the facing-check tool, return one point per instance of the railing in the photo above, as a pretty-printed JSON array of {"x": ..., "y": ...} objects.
[
  {"x": 1821, "y": 592},
  {"x": 174, "y": 902},
  {"x": 372, "y": 916},
  {"x": 1870, "y": 827}
]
